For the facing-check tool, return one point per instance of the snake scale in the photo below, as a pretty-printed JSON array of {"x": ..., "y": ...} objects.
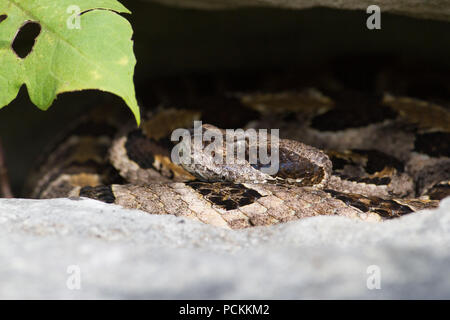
[{"x": 372, "y": 151}]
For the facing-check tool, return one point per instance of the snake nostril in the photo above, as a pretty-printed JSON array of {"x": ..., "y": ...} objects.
[{"x": 3, "y": 17}]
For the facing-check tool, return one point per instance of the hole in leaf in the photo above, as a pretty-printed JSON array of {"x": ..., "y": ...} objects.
[
  {"x": 3, "y": 17},
  {"x": 26, "y": 38}
]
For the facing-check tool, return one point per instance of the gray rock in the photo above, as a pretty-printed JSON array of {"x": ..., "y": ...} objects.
[
  {"x": 437, "y": 9},
  {"x": 122, "y": 253}
]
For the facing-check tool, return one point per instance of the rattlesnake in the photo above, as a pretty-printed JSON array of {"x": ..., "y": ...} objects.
[{"x": 371, "y": 155}]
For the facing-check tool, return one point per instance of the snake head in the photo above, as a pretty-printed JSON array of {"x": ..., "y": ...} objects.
[{"x": 213, "y": 154}]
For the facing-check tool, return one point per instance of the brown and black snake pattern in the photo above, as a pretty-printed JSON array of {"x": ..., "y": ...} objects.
[{"x": 389, "y": 150}]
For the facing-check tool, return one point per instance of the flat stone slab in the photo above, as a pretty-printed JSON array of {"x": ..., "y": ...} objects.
[
  {"x": 75, "y": 249},
  {"x": 437, "y": 9}
]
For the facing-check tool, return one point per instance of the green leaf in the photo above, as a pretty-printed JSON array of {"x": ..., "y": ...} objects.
[{"x": 97, "y": 55}]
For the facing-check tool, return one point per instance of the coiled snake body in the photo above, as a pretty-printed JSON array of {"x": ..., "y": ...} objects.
[{"x": 362, "y": 155}]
